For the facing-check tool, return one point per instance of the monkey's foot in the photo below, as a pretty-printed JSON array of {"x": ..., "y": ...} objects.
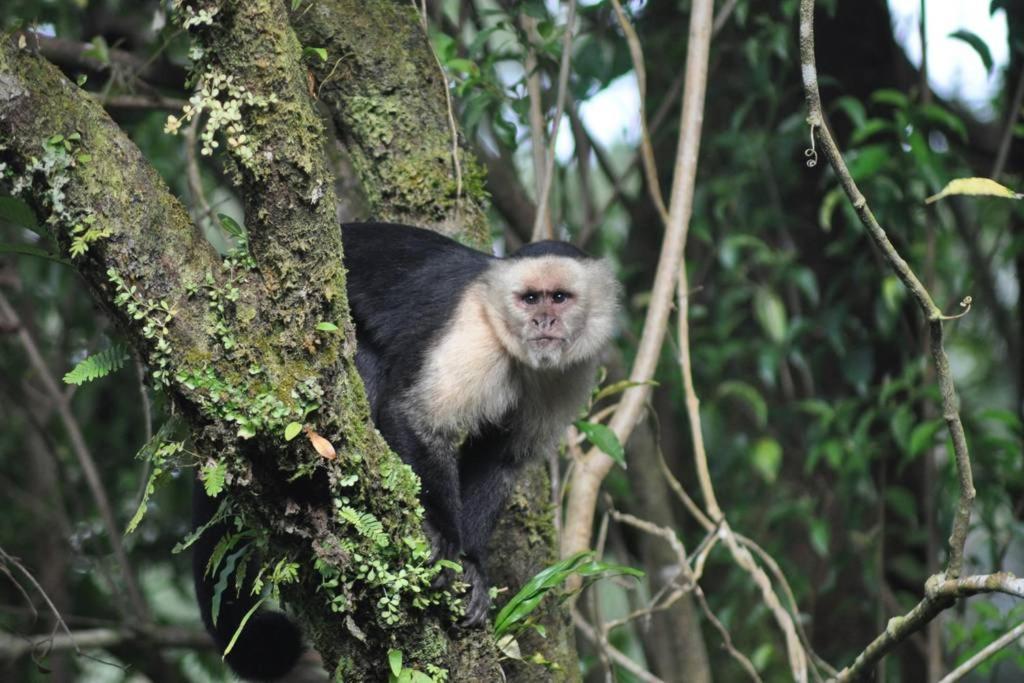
[{"x": 477, "y": 600}]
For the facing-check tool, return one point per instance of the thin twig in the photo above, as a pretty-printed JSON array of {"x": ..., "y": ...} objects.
[
  {"x": 12, "y": 646},
  {"x": 934, "y": 316},
  {"x": 985, "y": 653},
  {"x": 84, "y": 457},
  {"x": 535, "y": 115},
  {"x": 539, "y": 231},
  {"x": 1006, "y": 139},
  {"x": 636, "y": 54},
  {"x": 453, "y": 129},
  {"x": 58, "y": 619},
  {"x": 747, "y": 665},
  {"x": 592, "y": 634}
]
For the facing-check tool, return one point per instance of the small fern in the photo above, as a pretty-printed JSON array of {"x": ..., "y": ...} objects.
[
  {"x": 366, "y": 524},
  {"x": 98, "y": 365}
]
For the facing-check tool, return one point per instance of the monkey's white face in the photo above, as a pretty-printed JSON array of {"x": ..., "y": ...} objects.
[{"x": 555, "y": 311}]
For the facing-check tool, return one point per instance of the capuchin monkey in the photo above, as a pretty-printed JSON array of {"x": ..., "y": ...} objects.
[{"x": 473, "y": 365}]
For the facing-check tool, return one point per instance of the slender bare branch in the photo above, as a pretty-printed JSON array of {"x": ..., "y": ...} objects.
[
  {"x": 934, "y": 316},
  {"x": 91, "y": 472},
  {"x": 646, "y": 147},
  {"x": 985, "y": 653},
  {"x": 594, "y": 636},
  {"x": 539, "y": 229},
  {"x": 747, "y": 665},
  {"x": 13, "y": 646},
  {"x": 535, "y": 116}
]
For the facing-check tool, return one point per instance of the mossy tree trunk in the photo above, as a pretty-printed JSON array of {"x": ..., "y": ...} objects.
[{"x": 239, "y": 344}]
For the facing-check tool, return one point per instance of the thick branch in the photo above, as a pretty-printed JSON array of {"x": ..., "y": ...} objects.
[
  {"x": 587, "y": 478},
  {"x": 386, "y": 98}
]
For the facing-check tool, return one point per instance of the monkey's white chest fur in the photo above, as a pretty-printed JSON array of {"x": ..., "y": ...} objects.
[{"x": 468, "y": 379}]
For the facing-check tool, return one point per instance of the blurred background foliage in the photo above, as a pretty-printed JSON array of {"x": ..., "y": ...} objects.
[{"x": 820, "y": 413}]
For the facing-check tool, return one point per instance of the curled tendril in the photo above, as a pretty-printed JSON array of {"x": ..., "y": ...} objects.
[
  {"x": 811, "y": 153},
  {"x": 965, "y": 304}
]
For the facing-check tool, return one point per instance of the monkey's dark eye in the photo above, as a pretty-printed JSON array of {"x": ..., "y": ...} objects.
[
  {"x": 560, "y": 297},
  {"x": 530, "y": 298}
]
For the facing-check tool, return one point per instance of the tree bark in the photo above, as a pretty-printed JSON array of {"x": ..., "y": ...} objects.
[{"x": 236, "y": 343}]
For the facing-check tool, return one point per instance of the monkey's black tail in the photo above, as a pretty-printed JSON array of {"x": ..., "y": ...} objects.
[{"x": 270, "y": 643}]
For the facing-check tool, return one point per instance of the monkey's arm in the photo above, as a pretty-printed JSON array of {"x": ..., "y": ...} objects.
[{"x": 487, "y": 472}]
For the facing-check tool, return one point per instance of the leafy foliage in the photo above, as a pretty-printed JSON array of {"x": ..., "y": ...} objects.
[{"x": 98, "y": 365}]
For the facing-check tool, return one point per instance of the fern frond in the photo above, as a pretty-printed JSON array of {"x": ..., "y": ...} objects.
[{"x": 98, "y": 365}]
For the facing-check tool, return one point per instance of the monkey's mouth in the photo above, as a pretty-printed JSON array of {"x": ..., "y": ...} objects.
[{"x": 547, "y": 341}]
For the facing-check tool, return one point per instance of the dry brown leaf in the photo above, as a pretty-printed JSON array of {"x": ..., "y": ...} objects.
[{"x": 322, "y": 445}]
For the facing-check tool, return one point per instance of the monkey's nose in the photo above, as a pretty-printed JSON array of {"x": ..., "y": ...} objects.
[{"x": 545, "y": 322}]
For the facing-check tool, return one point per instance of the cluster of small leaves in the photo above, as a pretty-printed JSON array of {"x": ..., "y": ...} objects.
[
  {"x": 162, "y": 455},
  {"x": 365, "y": 524},
  {"x": 194, "y": 17},
  {"x": 98, "y": 365},
  {"x": 377, "y": 572},
  {"x": 486, "y": 95},
  {"x": 251, "y": 408},
  {"x": 219, "y": 298},
  {"x": 155, "y": 317},
  {"x": 395, "y": 572},
  {"x": 222, "y": 100},
  {"x": 398, "y": 673},
  {"x": 52, "y": 166},
  {"x": 240, "y": 255}
]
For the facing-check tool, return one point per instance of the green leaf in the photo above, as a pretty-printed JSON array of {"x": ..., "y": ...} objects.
[
  {"x": 214, "y": 475},
  {"x": 868, "y": 161},
  {"x": 974, "y": 186},
  {"x": 605, "y": 439},
  {"x": 889, "y": 96},
  {"x": 870, "y": 128},
  {"x": 819, "y": 537},
  {"x": 98, "y": 50},
  {"x": 97, "y": 365},
  {"x": 466, "y": 66},
  {"x": 315, "y": 52},
  {"x": 979, "y": 45},
  {"x": 395, "y": 662},
  {"x": 770, "y": 312},
  {"x": 18, "y": 213},
  {"x": 893, "y": 292},
  {"x": 749, "y": 395},
  {"x": 902, "y": 502},
  {"x": 828, "y": 207},
  {"x": 944, "y": 118},
  {"x": 767, "y": 457},
  {"x": 26, "y": 250},
  {"x": 231, "y": 226},
  {"x": 619, "y": 387},
  {"x": 514, "y": 614},
  {"x": 292, "y": 430},
  {"x": 854, "y": 110},
  {"x": 923, "y": 436},
  {"x": 241, "y": 625},
  {"x": 140, "y": 512},
  {"x": 327, "y": 327}
]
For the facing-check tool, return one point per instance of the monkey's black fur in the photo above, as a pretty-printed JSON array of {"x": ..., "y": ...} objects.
[{"x": 404, "y": 286}]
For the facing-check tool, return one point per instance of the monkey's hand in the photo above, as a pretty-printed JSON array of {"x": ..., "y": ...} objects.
[
  {"x": 477, "y": 600},
  {"x": 442, "y": 548}
]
